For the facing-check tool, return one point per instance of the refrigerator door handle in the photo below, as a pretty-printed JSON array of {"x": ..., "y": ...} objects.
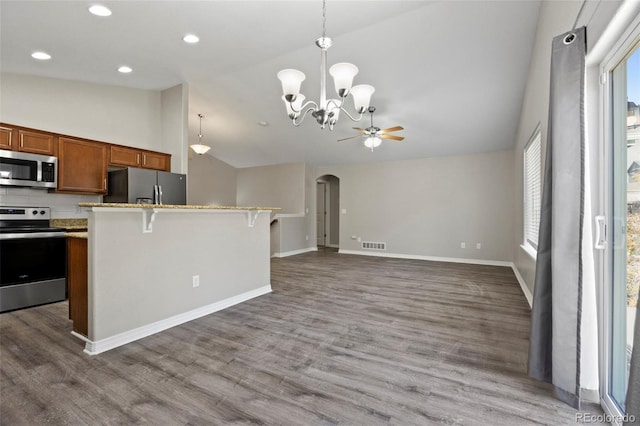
[
  {"x": 155, "y": 194},
  {"x": 160, "y": 194}
]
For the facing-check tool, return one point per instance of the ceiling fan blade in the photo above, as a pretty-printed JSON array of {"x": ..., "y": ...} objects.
[
  {"x": 392, "y": 129},
  {"x": 352, "y": 137},
  {"x": 359, "y": 129},
  {"x": 392, "y": 137}
]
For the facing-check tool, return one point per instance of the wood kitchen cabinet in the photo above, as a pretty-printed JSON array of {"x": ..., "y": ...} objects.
[
  {"x": 26, "y": 140},
  {"x": 77, "y": 281},
  {"x": 6, "y": 138},
  {"x": 35, "y": 142},
  {"x": 156, "y": 161},
  {"x": 82, "y": 166},
  {"x": 123, "y": 156}
]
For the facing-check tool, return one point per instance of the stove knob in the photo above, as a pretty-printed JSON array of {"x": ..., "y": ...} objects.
[
  {"x": 43, "y": 212},
  {"x": 35, "y": 212}
]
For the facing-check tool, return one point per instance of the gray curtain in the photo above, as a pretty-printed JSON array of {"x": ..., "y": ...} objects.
[
  {"x": 554, "y": 351},
  {"x": 633, "y": 390}
]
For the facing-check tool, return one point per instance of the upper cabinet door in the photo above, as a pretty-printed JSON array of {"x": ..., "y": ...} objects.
[
  {"x": 35, "y": 142},
  {"x": 82, "y": 166},
  {"x": 156, "y": 161},
  {"x": 6, "y": 138},
  {"x": 123, "y": 156}
]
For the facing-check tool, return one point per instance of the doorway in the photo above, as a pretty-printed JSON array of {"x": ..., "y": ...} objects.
[{"x": 328, "y": 211}]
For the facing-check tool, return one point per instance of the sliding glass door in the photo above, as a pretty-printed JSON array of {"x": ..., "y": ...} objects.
[{"x": 623, "y": 253}]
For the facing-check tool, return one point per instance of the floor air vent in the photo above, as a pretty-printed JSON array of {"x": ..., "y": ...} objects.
[{"x": 374, "y": 246}]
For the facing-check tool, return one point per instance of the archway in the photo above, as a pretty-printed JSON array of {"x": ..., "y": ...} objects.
[{"x": 328, "y": 211}]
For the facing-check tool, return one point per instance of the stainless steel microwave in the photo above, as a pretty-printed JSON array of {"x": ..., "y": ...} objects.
[{"x": 30, "y": 170}]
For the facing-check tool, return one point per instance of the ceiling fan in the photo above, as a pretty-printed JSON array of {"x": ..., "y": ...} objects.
[{"x": 374, "y": 135}]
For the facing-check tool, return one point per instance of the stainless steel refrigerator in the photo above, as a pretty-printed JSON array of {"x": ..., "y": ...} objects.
[{"x": 133, "y": 185}]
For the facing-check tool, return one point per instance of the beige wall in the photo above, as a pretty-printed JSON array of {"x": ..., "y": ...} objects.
[
  {"x": 112, "y": 114},
  {"x": 127, "y": 291},
  {"x": 281, "y": 186},
  {"x": 211, "y": 182},
  {"x": 427, "y": 207}
]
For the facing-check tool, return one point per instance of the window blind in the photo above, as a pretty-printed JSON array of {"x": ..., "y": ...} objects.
[{"x": 532, "y": 190}]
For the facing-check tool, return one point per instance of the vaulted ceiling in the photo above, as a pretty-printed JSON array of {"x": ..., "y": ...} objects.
[{"x": 452, "y": 73}]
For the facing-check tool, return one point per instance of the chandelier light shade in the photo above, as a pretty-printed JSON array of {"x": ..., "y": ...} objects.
[
  {"x": 325, "y": 111},
  {"x": 199, "y": 148}
]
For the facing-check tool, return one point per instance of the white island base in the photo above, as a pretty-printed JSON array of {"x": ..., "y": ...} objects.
[{"x": 154, "y": 267}]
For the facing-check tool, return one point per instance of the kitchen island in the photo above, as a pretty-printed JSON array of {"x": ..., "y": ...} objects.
[{"x": 152, "y": 267}]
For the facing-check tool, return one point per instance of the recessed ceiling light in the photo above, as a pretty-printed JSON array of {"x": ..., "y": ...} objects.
[
  {"x": 263, "y": 123},
  {"x": 191, "y": 38},
  {"x": 43, "y": 56},
  {"x": 125, "y": 69},
  {"x": 99, "y": 10}
]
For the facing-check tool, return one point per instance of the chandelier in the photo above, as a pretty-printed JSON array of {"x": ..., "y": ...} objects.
[
  {"x": 326, "y": 111},
  {"x": 199, "y": 148}
]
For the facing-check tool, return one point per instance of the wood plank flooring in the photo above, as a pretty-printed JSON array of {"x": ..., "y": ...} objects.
[{"x": 341, "y": 340}]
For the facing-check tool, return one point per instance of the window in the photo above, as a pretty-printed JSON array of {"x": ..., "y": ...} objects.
[{"x": 532, "y": 189}]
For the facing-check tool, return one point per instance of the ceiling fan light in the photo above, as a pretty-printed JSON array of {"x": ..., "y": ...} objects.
[
  {"x": 343, "y": 74},
  {"x": 199, "y": 148},
  {"x": 362, "y": 96},
  {"x": 293, "y": 108},
  {"x": 372, "y": 142},
  {"x": 291, "y": 81}
]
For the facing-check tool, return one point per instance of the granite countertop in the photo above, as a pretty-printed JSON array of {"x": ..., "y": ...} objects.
[
  {"x": 84, "y": 235},
  {"x": 173, "y": 206},
  {"x": 69, "y": 224}
]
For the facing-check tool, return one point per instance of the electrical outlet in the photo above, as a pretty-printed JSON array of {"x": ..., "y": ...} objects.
[
  {"x": 359, "y": 239},
  {"x": 354, "y": 237},
  {"x": 344, "y": 211},
  {"x": 196, "y": 281},
  {"x": 306, "y": 238},
  {"x": 478, "y": 246},
  {"x": 463, "y": 245}
]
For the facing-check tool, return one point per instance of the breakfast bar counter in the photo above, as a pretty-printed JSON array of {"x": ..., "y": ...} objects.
[{"x": 151, "y": 267}]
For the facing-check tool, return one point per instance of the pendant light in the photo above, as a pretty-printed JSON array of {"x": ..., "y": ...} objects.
[{"x": 199, "y": 147}]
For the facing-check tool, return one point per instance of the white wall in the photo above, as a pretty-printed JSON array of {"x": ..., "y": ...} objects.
[
  {"x": 556, "y": 17},
  {"x": 280, "y": 186},
  {"x": 427, "y": 207},
  {"x": 211, "y": 182}
]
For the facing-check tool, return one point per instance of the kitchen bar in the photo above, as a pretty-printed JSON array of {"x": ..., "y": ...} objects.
[{"x": 197, "y": 260}]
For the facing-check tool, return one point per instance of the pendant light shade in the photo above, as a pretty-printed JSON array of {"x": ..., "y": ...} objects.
[
  {"x": 199, "y": 148},
  {"x": 343, "y": 74},
  {"x": 291, "y": 81},
  {"x": 362, "y": 96}
]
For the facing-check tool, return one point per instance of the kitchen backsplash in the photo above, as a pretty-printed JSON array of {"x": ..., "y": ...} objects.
[{"x": 62, "y": 205}]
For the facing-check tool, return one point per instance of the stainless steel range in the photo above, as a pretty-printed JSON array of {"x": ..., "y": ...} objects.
[{"x": 32, "y": 258}]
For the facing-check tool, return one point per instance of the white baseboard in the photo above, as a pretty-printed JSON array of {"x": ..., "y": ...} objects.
[
  {"x": 523, "y": 285},
  {"x": 294, "y": 252},
  {"x": 432, "y": 258},
  {"x": 103, "y": 345}
]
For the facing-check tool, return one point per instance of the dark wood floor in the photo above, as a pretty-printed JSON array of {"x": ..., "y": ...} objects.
[{"x": 341, "y": 340}]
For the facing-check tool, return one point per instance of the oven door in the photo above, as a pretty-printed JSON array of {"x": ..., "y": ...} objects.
[{"x": 33, "y": 270}]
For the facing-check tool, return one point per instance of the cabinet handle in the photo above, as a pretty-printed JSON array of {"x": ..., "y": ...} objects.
[
  {"x": 144, "y": 159},
  {"x": 21, "y": 143},
  {"x": 104, "y": 184},
  {"x": 137, "y": 158}
]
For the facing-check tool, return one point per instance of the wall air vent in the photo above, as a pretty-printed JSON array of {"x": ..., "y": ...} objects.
[{"x": 373, "y": 245}]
